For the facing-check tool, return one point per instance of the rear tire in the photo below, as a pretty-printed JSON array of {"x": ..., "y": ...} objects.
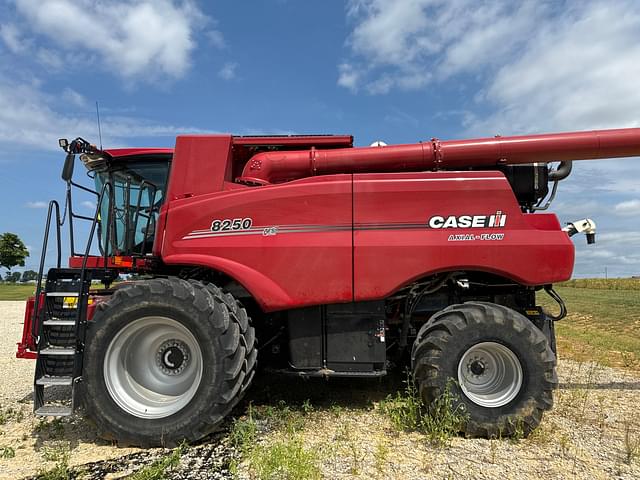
[
  {"x": 502, "y": 366},
  {"x": 165, "y": 361}
]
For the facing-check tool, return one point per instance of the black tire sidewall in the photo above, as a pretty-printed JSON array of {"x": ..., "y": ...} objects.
[
  {"x": 532, "y": 372},
  {"x": 184, "y": 424},
  {"x": 443, "y": 341}
]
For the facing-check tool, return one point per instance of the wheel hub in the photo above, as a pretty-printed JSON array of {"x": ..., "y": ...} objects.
[
  {"x": 172, "y": 357},
  {"x": 477, "y": 368},
  {"x": 153, "y": 367},
  {"x": 490, "y": 374}
]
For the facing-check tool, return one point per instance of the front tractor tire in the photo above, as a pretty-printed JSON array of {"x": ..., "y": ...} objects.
[
  {"x": 502, "y": 367},
  {"x": 165, "y": 361}
]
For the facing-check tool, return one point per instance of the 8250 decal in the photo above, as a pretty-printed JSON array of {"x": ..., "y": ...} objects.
[{"x": 230, "y": 225}]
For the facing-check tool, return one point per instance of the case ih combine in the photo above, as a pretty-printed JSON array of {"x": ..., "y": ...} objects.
[{"x": 319, "y": 258}]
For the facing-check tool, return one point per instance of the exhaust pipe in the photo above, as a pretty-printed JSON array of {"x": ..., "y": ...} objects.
[{"x": 562, "y": 172}]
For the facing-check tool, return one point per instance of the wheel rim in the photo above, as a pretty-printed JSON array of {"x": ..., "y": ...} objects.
[
  {"x": 490, "y": 374},
  {"x": 153, "y": 367}
]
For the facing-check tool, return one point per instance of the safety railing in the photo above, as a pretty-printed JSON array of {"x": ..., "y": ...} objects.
[
  {"x": 108, "y": 244},
  {"x": 53, "y": 207}
]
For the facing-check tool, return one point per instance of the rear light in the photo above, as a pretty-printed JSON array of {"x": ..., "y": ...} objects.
[{"x": 123, "y": 261}]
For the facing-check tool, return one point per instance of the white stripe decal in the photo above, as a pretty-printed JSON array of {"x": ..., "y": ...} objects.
[
  {"x": 260, "y": 231},
  {"x": 455, "y": 179}
]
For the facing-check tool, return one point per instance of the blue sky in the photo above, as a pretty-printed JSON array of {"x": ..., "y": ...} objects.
[{"x": 399, "y": 71}]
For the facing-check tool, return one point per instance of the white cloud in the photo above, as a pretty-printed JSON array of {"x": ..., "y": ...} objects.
[
  {"x": 578, "y": 72},
  {"x": 228, "y": 71},
  {"x": 141, "y": 39},
  {"x": 35, "y": 121},
  {"x": 12, "y": 38},
  {"x": 348, "y": 76},
  {"x": 50, "y": 59},
  {"x": 407, "y": 44},
  {"x": 539, "y": 66},
  {"x": 88, "y": 204},
  {"x": 76, "y": 99},
  {"x": 36, "y": 204},
  {"x": 628, "y": 208}
]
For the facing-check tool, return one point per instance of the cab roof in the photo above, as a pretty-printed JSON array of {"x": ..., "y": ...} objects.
[{"x": 129, "y": 152}]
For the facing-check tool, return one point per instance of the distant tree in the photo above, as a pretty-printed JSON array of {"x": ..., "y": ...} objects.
[
  {"x": 12, "y": 277},
  {"x": 29, "y": 275},
  {"x": 12, "y": 251}
]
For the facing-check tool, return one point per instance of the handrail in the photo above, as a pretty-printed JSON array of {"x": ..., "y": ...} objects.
[
  {"x": 132, "y": 217},
  {"x": 73, "y": 215},
  {"x": 93, "y": 230},
  {"x": 36, "y": 308}
]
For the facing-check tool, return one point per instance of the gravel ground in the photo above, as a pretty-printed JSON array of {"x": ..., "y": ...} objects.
[
  {"x": 27, "y": 435},
  {"x": 583, "y": 437}
]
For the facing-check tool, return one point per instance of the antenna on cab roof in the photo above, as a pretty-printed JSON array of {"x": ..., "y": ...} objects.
[{"x": 99, "y": 130}]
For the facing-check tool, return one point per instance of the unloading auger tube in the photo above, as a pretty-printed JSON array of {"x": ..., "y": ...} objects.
[{"x": 278, "y": 166}]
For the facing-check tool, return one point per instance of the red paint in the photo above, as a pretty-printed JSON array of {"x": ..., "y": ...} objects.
[
  {"x": 289, "y": 270},
  {"x": 94, "y": 261},
  {"x": 335, "y": 224},
  {"x": 27, "y": 346},
  {"x": 281, "y": 270},
  {"x": 129, "y": 152},
  {"x": 323, "y": 141},
  {"x": 273, "y": 167},
  {"x": 385, "y": 260}
]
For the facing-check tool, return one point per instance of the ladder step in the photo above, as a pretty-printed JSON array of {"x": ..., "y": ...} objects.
[
  {"x": 62, "y": 294},
  {"x": 57, "y": 351},
  {"x": 52, "y": 323},
  {"x": 46, "y": 380},
  {"x": 54, "y": 411}
]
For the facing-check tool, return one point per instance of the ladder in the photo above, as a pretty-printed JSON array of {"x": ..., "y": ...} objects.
[{"x": 60, "y": 339}]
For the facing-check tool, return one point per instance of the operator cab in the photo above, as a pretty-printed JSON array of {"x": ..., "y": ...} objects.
[
  {"x": 130, "y": 185},
  {"x": 139, "y": 187}
]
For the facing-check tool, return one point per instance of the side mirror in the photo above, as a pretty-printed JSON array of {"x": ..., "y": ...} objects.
[{"x": 67, "y": 169}]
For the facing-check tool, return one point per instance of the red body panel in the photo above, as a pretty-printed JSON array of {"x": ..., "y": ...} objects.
[
  {"x": 391, "y": 213},
  {"x": 297, "y": 252},
  {"x": 341, "y": 238},
  {"x": 128, "y": 152},
  {"x": 27, "y": 346}
]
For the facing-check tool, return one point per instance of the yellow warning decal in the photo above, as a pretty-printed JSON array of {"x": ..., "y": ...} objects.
[{"x": 69, "y": 302}]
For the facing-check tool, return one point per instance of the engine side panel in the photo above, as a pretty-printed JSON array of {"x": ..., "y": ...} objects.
[
  {"x": 292, "y": 247},
  {"x": 297, "y": 247},
  {"x": 408, "y": 225}
]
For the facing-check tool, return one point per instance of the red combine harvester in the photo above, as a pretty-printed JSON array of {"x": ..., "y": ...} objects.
[{"x": 320, "y": 258}]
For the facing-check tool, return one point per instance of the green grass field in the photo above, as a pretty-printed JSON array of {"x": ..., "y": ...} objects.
[
  {"x": 603, "y": 322},
  {"x": 14, "y": 291}
]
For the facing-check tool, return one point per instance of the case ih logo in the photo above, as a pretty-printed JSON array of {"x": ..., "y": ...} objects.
[{"x": 496, "y": 220}]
